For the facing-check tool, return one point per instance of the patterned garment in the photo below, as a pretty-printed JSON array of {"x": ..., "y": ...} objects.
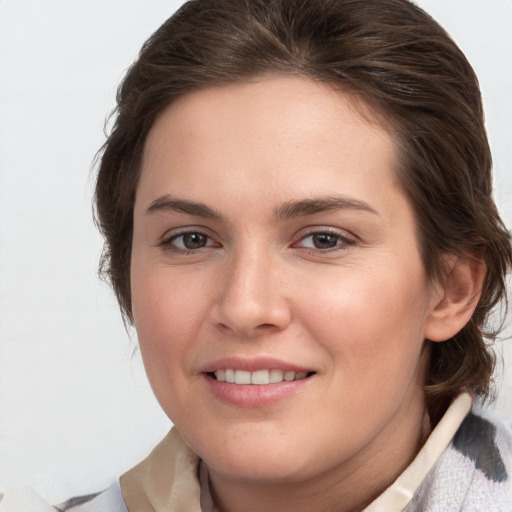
[
  {"x": 109, "y": 500},
  {"x": 472, "y": 474},
  {"x": 75, "y": 502}
]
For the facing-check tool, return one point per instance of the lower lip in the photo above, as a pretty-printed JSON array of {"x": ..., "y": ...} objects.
[{"x": 250, "y": 395}]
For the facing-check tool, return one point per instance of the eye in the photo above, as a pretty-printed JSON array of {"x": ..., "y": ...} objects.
[
  {"x": 325, "y": 240},
  {"x": 188, "y": 241}
]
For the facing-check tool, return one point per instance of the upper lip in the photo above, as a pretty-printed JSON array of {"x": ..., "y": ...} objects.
[{"x": 253, "y": 365}]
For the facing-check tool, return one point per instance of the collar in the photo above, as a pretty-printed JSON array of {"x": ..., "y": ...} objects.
[{"x": 166, "y": 480}]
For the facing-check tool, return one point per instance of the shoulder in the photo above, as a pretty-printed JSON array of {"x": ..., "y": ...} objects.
[{"x": 109, "y": 499}]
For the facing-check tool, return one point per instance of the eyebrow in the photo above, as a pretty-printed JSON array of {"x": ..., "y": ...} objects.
[
  {"x": 288, "y": 210},
  {"x": 305, "y": 207},
  {"x": 167, "y": 203}
]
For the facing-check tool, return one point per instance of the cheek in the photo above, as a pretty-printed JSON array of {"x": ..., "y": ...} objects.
[
  {"x": 369, "y": 321},
  {"x": 165, "y": 315},
  {"x": 165, "y": 303}
]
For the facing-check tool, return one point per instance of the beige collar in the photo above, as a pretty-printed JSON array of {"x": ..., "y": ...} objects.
[{"x": 168, "y": 480}]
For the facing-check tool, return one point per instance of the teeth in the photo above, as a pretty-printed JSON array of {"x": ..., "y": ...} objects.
[
  {"x": 259, "y": 377},
  {"x": 242, "y": 377},
  {"x": 276, "y": 376},
  {"x": 289, "y": 376}
]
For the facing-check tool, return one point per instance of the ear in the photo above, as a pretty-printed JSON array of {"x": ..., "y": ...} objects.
[{"x": 454, "y": 300}]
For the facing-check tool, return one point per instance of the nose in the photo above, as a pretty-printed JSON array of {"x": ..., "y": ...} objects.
[{"x": 252, "y": 295}]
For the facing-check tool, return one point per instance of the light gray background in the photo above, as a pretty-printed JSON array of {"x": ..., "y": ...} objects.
[{"x": 75, "y": 407}]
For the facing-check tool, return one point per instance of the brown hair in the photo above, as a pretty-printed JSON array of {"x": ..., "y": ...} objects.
[{"x": 394, "y": 57}]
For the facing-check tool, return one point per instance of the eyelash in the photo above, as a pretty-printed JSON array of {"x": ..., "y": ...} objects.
[{"x": 342, "y": 242}]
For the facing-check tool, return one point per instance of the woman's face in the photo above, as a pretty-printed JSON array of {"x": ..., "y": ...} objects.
[{"x": 272, "y": 242}]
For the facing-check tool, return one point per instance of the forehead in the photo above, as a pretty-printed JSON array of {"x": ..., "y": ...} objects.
[
  {"x": 268, "y": 141},
  {"x": 282, "y": 104}
]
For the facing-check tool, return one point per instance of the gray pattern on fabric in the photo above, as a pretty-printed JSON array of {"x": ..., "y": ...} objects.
[
  {"x": 476, "y": 439},
  {"x": 472, "y": 474},
  {"x": 75, "y": 502},
  {"x": 108, "y": 500}
]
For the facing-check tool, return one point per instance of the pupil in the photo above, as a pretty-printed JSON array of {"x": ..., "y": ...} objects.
[
  {"x": 194, "y": 240},
  {"x": 324, "y": 240}
]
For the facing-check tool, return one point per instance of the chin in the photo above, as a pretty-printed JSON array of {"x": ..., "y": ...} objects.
[
  {"x": 259, "y": 469},
  {"x": 269, "y": 458}
]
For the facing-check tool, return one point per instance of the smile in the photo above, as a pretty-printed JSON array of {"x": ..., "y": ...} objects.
[
  {"x": 256, "y": 382},
  {"x": 259, "y": 377}
]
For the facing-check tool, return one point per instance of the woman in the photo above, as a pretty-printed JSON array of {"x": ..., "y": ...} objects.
[{"x": 296, "y": 203}]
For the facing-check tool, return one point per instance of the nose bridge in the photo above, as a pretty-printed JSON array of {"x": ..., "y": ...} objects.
[{"x": 251, "y": 297}]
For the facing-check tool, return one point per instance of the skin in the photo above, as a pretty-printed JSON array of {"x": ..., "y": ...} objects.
[{"x": 258, "y": 284}]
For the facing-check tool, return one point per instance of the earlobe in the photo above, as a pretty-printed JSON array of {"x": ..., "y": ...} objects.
[{"x": 455, "y": 299}]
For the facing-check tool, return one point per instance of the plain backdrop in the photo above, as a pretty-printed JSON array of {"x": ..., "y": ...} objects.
[{"x": 75, "y": 407}]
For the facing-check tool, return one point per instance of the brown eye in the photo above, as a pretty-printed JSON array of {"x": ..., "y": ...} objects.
[
  {"x": 193, "y": 240},
  {"x": 324, "y": 240}
]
